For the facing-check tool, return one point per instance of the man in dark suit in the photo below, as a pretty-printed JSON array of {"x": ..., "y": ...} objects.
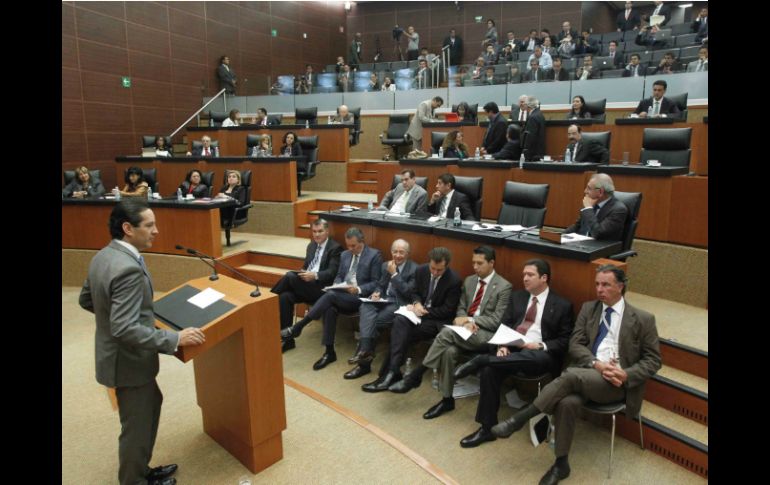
[
  {"x": 530, "y": 41},
  {"x": 661, "y": 106},
  {"x": 519, "y": 112},
  {"x": 360, "y": 267},
  {"x": 118, "y": 290},
  {"x": 226, "y": 76},
  {"x": 310, "y": 77},
  {"x": 511, "y": 41},
  {"x": 661, "y": 9},
  {"x": 628, "y": 19},
  {"x": 590, "y": 151},
  {"x": 422, "y": 76},
  {"x": 668, "y": 65},
  {"x": 566, "y": 31},
  {"x": 455, "y": 44},
  {"x": 494, "y": 138},
  {"x": 204, "y": 150},
  {"x": 616, "y": 57},
  {"x": 543, "y": 317},
  {"x": 512, "y": 149},
  {"x": 557, "y": 72},
  {"x": 533, "y": 137},
  {"x": 602, "y": 216},
  {"x": 445, "y": 199},
  {"x": 700, "y": 20},
  {"x": 649, "y": 38},
  {"x": 322, "y": 261},
  {"x": 614, "y": 349},
  {"x": 263, "y": 120},
  {"x": 354, "y": 55},
  {"x": 482, "y": 305},
  {"x": 634, "y": 67},
  {"x": 535, "y": 73},
  {"x": 435, "y": 296},
  {"x": 585, "y": 44},
  {"x": 396, "y": 285}
]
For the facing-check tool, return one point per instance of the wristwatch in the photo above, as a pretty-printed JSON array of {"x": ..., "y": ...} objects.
[
  {"x": 541, "y": 346},
  {"x": 593, "y": 362}
]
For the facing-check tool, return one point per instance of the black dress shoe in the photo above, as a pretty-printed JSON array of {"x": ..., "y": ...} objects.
[
  {"x": 470, "y": 367},
  {"x": 161, "y": 472},
  {"x": 474, "y": 439},
  {"x": 286, "y": 333},
  {"x": 164, "y": 481},
  {"x": 406, "y": 384},
  {"x": 506, "y": 428},
  {"x": 325, "y": 360},
  {"x": 382, "y": 383},
  {"x": 287, "y": 344},
  {"x": 360, "y": 370},
  {"x": 554, "y": 474},
  {"x": 442, "y": 407},
  {"x": 361, "y": 357}
]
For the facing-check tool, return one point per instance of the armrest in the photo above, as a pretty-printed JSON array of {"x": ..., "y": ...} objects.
[{"x": 622, "y": 256}]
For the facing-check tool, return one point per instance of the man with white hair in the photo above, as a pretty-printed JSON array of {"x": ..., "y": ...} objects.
[
  {"x": 519, "y": 113},
  {"x": 533, "y": 137},
  {"x": 602, "y": 216}
]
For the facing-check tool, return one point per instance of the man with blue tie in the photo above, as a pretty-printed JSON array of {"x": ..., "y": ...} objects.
[
  {"x": 393, "y": 291},
  {"x": 614, "y": 350},
  {"x": 358, "y": 276},
  {"x": 602, "y": 216}
]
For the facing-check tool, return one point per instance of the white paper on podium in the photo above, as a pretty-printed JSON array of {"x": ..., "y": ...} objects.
[
  {"x": 434, "y": 218},
  {"x": 409, "y": 314},
  {"x": 378, "y": 211},
  {"x": 503, "y": 227},
  {"x": 574, "y": 237},
  {"x": 505, "y": 335},
  {"x": 461, "y": 331},
  {"x": 206, "y": 298}
]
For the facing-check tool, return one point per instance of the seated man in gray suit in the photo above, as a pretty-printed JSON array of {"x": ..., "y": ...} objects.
[
  {"x": 614, "y": 350},
  {"x": 118, "y": 290},
  {"x": 360, "y": 268},
  {"x": 602, "y": 216},
  {"x": 484, "y": 298},
  {"x": 406, "y": 197},
  {"x": 395, "y": 286},
  {"x": 581, "y": 150}
]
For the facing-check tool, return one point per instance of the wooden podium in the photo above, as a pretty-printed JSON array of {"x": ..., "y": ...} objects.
[{"x": 239, "y": 373}]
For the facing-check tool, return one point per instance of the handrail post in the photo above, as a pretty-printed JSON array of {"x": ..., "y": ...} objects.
[{"x": 197, "y": 113}]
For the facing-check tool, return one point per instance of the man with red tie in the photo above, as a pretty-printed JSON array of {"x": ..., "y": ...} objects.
[
  {"x": 204, "y": 150},
  {"x": 483, "y": 302},
  {"x": 541, "y": 315}
]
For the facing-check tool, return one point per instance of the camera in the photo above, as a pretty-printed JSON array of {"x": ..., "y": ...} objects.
[{"x": 397, "y": 31}]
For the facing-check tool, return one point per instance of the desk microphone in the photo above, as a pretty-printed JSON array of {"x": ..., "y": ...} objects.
[
  {"x": 201, "y": 256},
  {"x": 214, "y": 276}
]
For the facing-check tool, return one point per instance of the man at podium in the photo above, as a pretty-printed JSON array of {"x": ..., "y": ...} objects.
[{"x": 119, "y": 292}]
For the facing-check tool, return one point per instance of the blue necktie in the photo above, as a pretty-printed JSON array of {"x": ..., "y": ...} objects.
[{"x": 604, "y": 329}]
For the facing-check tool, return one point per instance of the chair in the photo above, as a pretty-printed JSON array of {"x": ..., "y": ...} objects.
[
  {"x": 208, "y": 179},
  {"x": 681, "y": 103},
  {"x": 523, "y": 204},
  {"x": 396, "y": 65},
  {"x": 306, "y": 169},
  {"x": 602, "y": 137},
  {"x": 330, "y": 68},
  {"x": 680, "y": 29},
  {"x": 471, "y": 186},
  {"x": 670, "y": 146},
  {"x": 613, "y": 409},
  {"x": 356, "y": 131},
  {"x": 395, "y": 136},
  {"x": 149, "y": 141},
  {"x": 278, "y": 117},
  {"x": 689, "y": 52},
  {"x": 633, "y": 201},
  {"x": 421, "y": 181},
  {"x": 241, "y": 214},
  {"x": 597, "y": 110},
  {"x": 436, "y": 140},
  {"x": 616, "y": 36},
  {"x": 69, "y": 175},
  {"x": 413, "y": 64},
  {"x": 198, "y": 144},
  {"x": 685, "y": 40},
  {"x": 254, "y": 140},
  {"x": 306, "y": 114},
  {"x": 473, "y": 111},
  {"x": 150, "y": 176},
  {"x": 216, "y": 119},
  {"x": 613, "y": 73}
]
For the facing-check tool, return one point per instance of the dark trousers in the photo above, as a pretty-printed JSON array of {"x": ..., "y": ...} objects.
[
  {"x": 329, "y": 306},
  {"x": 139, "y": 409},
  {"x": 292, "y": 289},
  {"x": 530, "y": 363},
  {"x": 403, "y": 335},
  {"x": 412, "y": 55}
]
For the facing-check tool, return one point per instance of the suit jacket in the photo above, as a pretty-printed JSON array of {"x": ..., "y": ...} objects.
[
  {"x": 530, "y": 75},
  {"x": 582, "y": 46},
  {"x": 493, "y": 304},
  {"x": 348, "y": 120},
  {"x": 198, "y": 151},
  {"x": 666, "y": 106},
  {"x": 354, "y": 58},
  {"x": 647, "y": 38},
  {"x": 458, "y": 200},
  {"x": 515, "y": 112},
  {"x": 456, "y": 51},
  {"x": 534, "y": 140},
  {"x": 226, "y": 78},
  {"x": 119, "y": 292},
  {"x": 693, "y": 66},
  {"x": 555, "y": 326},
  {"x": 608, "y": 224},
  {"x": 94, "y": 188},
  {"x": 551, "y": 75},
  {"x": 617, "y": 60},
  {"x": 367, "y": 271},
  {"x": 634, "y": 20},
  {"x": 239, "y": 194},
  {"x": 642, "y": 68},
  {"x": 296, "y": 149},
  {"x": 417, "y": 202},
  {"x": 510, "y": 151},
  {"x": 665, "y": 10},
  {"x": 402, "y": 283},
  {"x": 330, "y": 261},
  {"x": 590, "y": 151},
  {"x": 424, "y": 114},
  {"x": 638, "y": 347},
  {"x": 445, "y": 297},
  {"x": 494, "y": 138},
  {"x": 202, "y": 190}
]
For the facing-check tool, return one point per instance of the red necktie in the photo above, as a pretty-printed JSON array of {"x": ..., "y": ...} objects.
[
  {"x": 206, "y": 154},
  {"x": 529, "y": 317},
  {"x": 477, "y": 298}
]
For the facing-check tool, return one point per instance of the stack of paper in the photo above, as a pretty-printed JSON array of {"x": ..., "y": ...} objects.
[
  {"x": 505, "y": 335},
  {"x": 409, "y": 314}
]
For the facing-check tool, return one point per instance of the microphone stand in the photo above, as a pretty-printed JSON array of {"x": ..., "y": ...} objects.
[
  {"x": 201, "y": 255},
  {"x": 214, "y": 276}
]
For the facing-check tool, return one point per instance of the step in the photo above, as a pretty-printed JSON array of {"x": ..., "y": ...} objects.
[
  {"x": 684, "y": 357},
  {"x": 685, "y": 378},
  {"x": 367, "y": 171},
  {"x": 678, "y": 398},
  {"x": 687, "y": 427},
  {"x": 364, "y": 182}
]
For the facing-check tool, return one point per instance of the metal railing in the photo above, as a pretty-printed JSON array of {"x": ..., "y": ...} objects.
[{"x": 197, "y": 113}]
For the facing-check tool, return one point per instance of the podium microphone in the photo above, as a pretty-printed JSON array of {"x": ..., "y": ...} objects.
[
  {"x": 201, "y": 256},
  {"x": 214, "y": 276}
]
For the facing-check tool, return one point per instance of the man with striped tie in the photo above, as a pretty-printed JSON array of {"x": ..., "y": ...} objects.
[
  {"x": 602, "y": 216},
  {"x": 613, "y": 350}
]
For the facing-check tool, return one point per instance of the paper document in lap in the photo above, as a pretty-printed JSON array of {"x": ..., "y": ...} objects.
[
  {"x": 369, "y": 300},
  {"x": 507, "y": 336},
  {"x": 338, "y": 286},
  {"x": 408, "y": 314},
  {"x": 461, "y": 331}
]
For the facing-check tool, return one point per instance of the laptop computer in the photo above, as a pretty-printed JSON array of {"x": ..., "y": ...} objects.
[{"x": 452, "y": 117}]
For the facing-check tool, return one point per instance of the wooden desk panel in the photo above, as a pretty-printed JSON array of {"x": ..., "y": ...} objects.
[
  {"x": 700, "y": 148},
  {"x": 628, "y": 138},
  {"x": 654, "y": 212},
  {"x": 492, "y": 191},
  {"x": 688, "y": 211},
  {"x": 565, "y": 193}
]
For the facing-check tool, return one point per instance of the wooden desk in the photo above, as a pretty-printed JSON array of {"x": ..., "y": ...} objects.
[
  {"x": 333, "y": 143},
  {"x": 495, "y": 173},
  {"x": 628, "y": 138},
  {"x": 84, "y": 225},
  {"x": 688, "y": 211}
]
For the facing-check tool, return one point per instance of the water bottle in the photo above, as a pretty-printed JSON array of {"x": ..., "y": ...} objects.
[
  {"x": 434, "y": 381},
  {"x": 408, "y": 366},
  {"x": 457, "y": 221},
  {"x": 149, "y": 195},
  {"x": 330, "y": 120},
  {"x": 370, "y": 205},
  {"x": 441, "y": 152},
  {"x": 116, "y": 193},
  {"x": 478, "y": 153},
  {"x": 521, "y": 161},
  {"x": 216, "y": 151},
  {"x": 254, "y": 151},
  {"x": 179, "y": 195},
  {"x": 567, "y": 156},
  {"x": 307, "y": 124},
  {"x": 649, "y": 112}
]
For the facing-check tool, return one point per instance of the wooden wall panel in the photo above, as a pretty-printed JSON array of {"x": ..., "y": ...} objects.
[
  {"x": 223, "y": 12},
  {"x": 69, "y": 53},
  {"x": 113, "y": 9},
  {"x": 152, "y": 120},
  {"x": 73, "y": 147},
  {"x": 104, "y": 88},
  {"x": 183, "y": 23},
  {"x": 67, "y": 20},
  {"x": 152, "y": 93},
  {"x": 100, "y": 28},
  {"x": 187, "y": 49},
  {"x": 72, "y": 116},
  {"x": 217, "y": 33},
  {"x": 107, "y": 118},
  {"x": 102, "y": 58},
  {"x": 147, "y": 66},
  {"x": 150, "y": 41},
  {"x": 185, "y": 75},
  {"x": 150, "y": 14},
  {"x": 70, "y": 84},
  {"x": 104, "y": 146}
]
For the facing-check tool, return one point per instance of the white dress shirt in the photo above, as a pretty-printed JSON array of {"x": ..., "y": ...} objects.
[
  {"x": 609, "y": 347},
  {"x": 448, "y": 199},
  {"x": 314, "y": 267},
  {"x": 535, "y": 331}
]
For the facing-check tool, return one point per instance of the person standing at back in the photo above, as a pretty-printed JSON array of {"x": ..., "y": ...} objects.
[{"x": 227, "y": 78}]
